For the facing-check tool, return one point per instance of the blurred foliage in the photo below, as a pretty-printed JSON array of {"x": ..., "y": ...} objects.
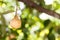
[{"x": 34, "y": 27}]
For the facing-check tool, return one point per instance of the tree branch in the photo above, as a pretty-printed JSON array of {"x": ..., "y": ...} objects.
[
  {"x": 40, "y": 9},
  {"x": 6, "y": 12}
]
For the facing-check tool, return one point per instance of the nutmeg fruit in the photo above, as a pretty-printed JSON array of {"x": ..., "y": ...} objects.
[{"x": 15, "y": 22}]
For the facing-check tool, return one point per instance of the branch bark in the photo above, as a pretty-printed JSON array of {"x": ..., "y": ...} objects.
[{"x": 40, "y": 9}]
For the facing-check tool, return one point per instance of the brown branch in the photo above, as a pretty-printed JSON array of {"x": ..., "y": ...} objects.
[{"x": 40, "y": 9}]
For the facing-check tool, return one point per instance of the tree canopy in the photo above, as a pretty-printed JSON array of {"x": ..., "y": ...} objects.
[{"x": 29, "y": 19}]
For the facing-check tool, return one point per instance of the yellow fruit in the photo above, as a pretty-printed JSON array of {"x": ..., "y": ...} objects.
[{"x": 15, "y": 22}]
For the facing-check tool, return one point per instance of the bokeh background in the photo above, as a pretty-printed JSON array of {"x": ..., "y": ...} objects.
[{"x": 35, "y": 25}]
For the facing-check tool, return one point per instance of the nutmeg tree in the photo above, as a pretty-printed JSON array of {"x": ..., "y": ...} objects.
[{"x": 29, "y": 19}]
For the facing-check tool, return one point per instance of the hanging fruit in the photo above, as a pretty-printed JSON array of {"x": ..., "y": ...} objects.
[
  {"x": 15, "y": 22},
  {"x": 11, "y": 37}
]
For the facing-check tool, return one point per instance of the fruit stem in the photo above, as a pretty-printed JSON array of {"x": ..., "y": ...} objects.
[{"x": 16, "y": 8}]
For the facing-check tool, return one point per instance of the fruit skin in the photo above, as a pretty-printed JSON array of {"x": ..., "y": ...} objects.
[{"x": 15, "y": 22}]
